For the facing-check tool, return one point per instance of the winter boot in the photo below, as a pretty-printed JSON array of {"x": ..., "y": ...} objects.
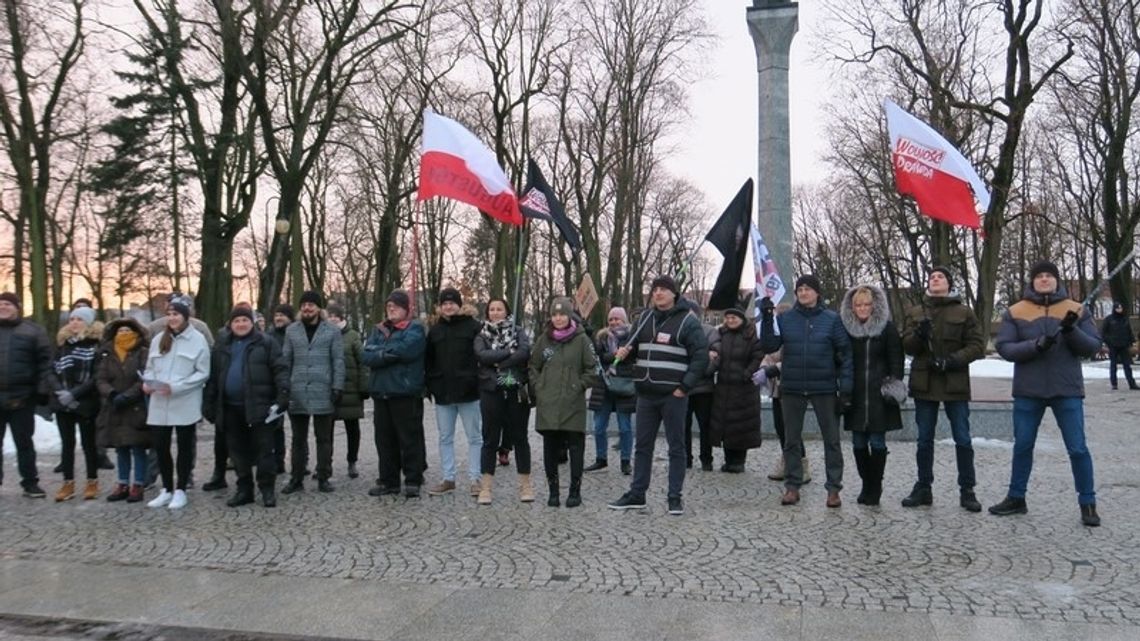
[
  {"x": 920, "y": 495},
  {"x": 120, "y": 492},
  {"x": 485, "y": 484},
  {"x": 969, "y": 501},
  {"x": 91, "y": 491},
  {"x": 135, "y": 494},
  {"x": 862, "y": 464},
  {"x": 777, "y": 473},
  {"x": 554, "y": 500},
  {"x": 66, "y": 492},
  {"x": 878, "y": 463},
  {"x": 526, "y": 489},
  {"x": 574, "y": 498}
]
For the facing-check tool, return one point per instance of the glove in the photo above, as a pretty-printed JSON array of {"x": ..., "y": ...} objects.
[
  {"x": 66, "y": 398},
  {"x": 767, "y": 308},
  {"x": 1045, "y": 342},
  {"x": 283, "y": 406},
  {"x": 940, "y": 364},
  {"x": 925, "y": 330},
  {"x": 772, "y": 371},
  {"x": 120, "y": 401},
  {"x": 336, "y": 396},
  {"x": 1069, "y": 322},
  {"x": 843, "y": 404}
]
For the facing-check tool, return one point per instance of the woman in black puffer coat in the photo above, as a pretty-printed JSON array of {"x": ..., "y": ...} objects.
[
  {"x": 736, "y": 355},
  {"x": 877, "y": 354}
]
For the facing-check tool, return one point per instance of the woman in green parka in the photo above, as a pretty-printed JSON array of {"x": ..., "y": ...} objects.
[
  {"x": 350, "y": 407},
  {"x": 562, "y": 368}
]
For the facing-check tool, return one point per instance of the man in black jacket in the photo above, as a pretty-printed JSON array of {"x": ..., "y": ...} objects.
[
  {"x": 670, "y": 352},
  {"x": 25, "y": 367},
  {"x": 1117, "y": 334}
]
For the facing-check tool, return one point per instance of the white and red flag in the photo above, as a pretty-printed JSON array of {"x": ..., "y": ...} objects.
[
  {"x": 457, "y": 165},
  {"x": 933, "y": 172}
]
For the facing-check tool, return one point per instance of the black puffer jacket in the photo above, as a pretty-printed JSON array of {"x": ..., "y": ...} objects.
[
  {"x": 266, "y": 378},
  {"x": 1116, "y": 331},
  {"x": 736, "y": 399},
  {"x": 25, "y": 363},
  {"x": 452, "y": 370},
  {"x": 877, "y": 353},
  {"x": 622, "y": 404}
]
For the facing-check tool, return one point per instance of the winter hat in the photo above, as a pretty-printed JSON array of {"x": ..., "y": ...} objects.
[
  {"x": 945, "y": 271},
  {"x": 312, "y": 297},
  {"x": 182, "y": 299},
  {"x": 86, "y": 314},
  {"x": 732, "y": 311},
  {"x": 1044, "y": 267},
  {"x": 81, "y": 302},
  {"x": 181, "y": 308},
  {"x": 450, "y": 294},
  {"x": 242, "y": 310},
  {"x": 618, "y": 312},
  {"x": 666, "y": 282},
  {"x": 287, "y": 310},
  {"x": 1117, "y": 305},
  {"x": 335, "y": 310},
  {"x": 400, "y": 298},
  {"x": 562, "y": 305},
  {"x": 810, "y": 280},
  {"x": 11, "y": 298}
]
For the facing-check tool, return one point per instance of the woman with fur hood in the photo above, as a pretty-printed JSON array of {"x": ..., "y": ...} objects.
[
  {"x": 879, "y": 389},
  {"x": 122, "y": 419},
  {"x": 75, "y": 400}
]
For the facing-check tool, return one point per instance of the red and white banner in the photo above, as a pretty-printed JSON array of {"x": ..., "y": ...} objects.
[
  {"x": 933, "y": 172},
  {"x": 457, "y": 165}
]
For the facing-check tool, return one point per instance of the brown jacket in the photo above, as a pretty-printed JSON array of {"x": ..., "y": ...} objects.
[
  {"x": 123, "y": 426},
  {"x": 956, "y": 335}
]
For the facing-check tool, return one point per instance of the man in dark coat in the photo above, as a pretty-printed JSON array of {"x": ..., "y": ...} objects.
[
  {"x": 944, "y": 337},
  {"x": 816, "y": 370},
  {"x": 669, "y": 351},
  {"x": 25, "y": 369},
  {"x": 1117, "y": 334},
  {"x": 1046, "y": 335}
]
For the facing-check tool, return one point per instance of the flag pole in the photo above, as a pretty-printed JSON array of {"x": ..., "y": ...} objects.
[
  {"x": 1108, "y": 279},
  {"x": 415, "y": 255},
  {"x": 519, "y": 261},
  {"x": 687, "y": 266}
]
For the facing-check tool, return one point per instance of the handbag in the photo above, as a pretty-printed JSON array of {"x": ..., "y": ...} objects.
[{"x": 621, "y": 386}]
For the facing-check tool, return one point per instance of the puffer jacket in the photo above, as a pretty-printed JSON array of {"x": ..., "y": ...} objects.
[
  {"x": 452, "y": 370},
  {"x": 394, "y": 354},
  {"x": 265, "y": 379},
  {"x": 955, "y": 334},
  {"x": 877, "y": 354},
  {"x": 705, "y": 385},
  {"x": 560, "y": 373},
  {"x": 1116, "y": 331},
  {"x": 817, "y": 351},
  {"x": 73, "y": 369},
  {"x": 25, "y": 363},
  {"x": 1055, "y": 372},
  {"x": 351, "y": 405},
  {"x": 496, "y": 366},
  {"x": 598, "y": 393},
  {"x": 736, "y": 400},
  {"x": 122, "y": 426}
]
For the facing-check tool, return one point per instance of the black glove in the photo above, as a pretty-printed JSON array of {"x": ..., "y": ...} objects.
[
  {"x": 1069, "y": 322},
  {"x": 925, "y": 330},
  {"x": 120, "y": 401},
  {"x": 939, "y": 364},
  {"x": 767, "y": 308},
  {"x": 336, "y": 396},
  {"x": 283, "y": 406},
  {"x": 772, "y": 372},
  {"x": 842, "y": 404},
  {"x": 1045, "y": 342}
]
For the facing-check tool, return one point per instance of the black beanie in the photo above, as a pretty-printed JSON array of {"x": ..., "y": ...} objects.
[
  {"x": 1046, "y": 267},
  {"x": 287, "y": 310},
  {"x": 450, "y": 294},
  {"x": 945, "y": 271},
  {"x": 733, "y": 311},
  {"x": 242, "y": 310},
  {"x": 810, "y": 280},
  {"x": 665, "y": 282},
  {"x": 399, "y": 298},
  {"x": 11, "y": 298},
  {"x": 312, "y": 297}
]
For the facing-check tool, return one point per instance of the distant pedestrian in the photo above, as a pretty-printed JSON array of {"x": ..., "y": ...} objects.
[
  {"x": 1117, "y": 333},
  {"x": 25, "y": 371},
  {"x": 735, "y": 354},
  {"x": 122, "y": 419},
  {"x": 75, "y": 400},
  {"x": 1046, "y": 335}
]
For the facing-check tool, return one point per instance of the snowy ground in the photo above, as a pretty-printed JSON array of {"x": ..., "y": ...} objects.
[
  {"x": 997, "y": 368},
  {"x": 46, "y": 438}
]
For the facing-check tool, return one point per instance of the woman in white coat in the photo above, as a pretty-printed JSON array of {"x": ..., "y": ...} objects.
[{"x": 177, "y": 369}]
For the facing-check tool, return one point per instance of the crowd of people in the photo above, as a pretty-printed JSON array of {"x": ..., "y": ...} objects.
[{"x": 143, "y": 391}]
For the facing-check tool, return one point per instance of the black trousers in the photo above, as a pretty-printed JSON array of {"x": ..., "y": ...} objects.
[
  {"x": 67, "y": 422},
  {"x": 185, "y": 462},
  {"x": 279, "y": 442},
  {"x": 323, "y": 429},
  {"x": 504, "y": 421},
  {"x": 352, "y": 436},
  {"x": 554, "y": 444},
  {"x": 250, "y": 445},
  {"x": 23, "y": 422},
  {"x": 221, "y": 446},
  {"x": 778, "y": 422},
  {"x": 398, "y": 425},
  {"x": 700, "y": 406},
  {"x": 1123, "y": 356}
]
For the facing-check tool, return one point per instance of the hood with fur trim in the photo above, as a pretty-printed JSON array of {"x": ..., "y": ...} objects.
[
  {"x": 93, "y": 332},
  {"x": 466, "y": 309},
  {"x": 113, "y": 327},
  {"x": 880, "y": 313}
]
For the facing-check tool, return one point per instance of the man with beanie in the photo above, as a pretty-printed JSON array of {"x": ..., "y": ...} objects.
[
  {"x": 669, "y": 351},
  {"x": 25, "y": 370},
  {"x": 453, "y": 382},
  {"x": 1047, "y": 335},
  {"x": 314, "y": 352},
  {"x": 943, "y": 337},
  {"x": 817, "y": 370},
  {"x": 1117, "y": 334},
  {"x": 394, "y": 356},
  {"x": 283, "y": 316}
]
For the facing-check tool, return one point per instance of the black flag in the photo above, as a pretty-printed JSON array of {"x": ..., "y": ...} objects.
[
  {"x": 538, "y": 201},
  {"x": 730, "y": 236}
]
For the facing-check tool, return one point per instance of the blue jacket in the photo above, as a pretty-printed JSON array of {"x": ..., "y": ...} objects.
[
  {"x": 1056, "y": 371},
  {"x": 817, "y": 351},
  {"x": 396, "y": 359}
]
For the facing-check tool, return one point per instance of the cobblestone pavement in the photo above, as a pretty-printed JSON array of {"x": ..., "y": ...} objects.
[{"x": 734, "y": 543}]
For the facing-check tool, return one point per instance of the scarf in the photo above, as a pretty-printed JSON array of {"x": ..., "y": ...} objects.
[
  {"x": 563, "y": 335},
  {"x": 502, "y": 335},
  {"x": 124, "y": 343},
  {"x": 617, "y": 337},
  {"x": 80, "y": 358}
]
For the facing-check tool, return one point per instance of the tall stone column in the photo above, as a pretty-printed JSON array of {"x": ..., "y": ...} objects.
[{"x": 773, "y": 24}]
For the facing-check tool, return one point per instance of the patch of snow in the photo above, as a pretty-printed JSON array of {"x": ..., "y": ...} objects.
[
  {"x": 46, "y": 438},
  {"x": 983, "y": 442}
]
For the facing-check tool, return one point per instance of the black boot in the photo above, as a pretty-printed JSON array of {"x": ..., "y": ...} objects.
[
  {"x": 1009, "y": 506},
  {"x": 920, "y": 495},
  {"x": 574, "y": 499},
  {"x": 217, "y": 479},
  {"x": 877, "y": 460},
  {"x": 268, "y": 496},
  {"x": 862, "y": 464},
  {"x": 294, "y": 485},
  {"x": 554, "y": 500},
  {"x": 969, "y": 501},
  {"x": 598, "y": 464},
  {"x": 243, "y": 496},
  {"x": 1089, "y": 516}
]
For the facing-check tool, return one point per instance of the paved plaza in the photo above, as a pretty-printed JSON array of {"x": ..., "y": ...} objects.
[{"x": 736, "y": 565}]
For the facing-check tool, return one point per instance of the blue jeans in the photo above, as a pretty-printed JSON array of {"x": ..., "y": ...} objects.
[
  {"x": 601, "y": 425},
  {"x": 926, "y": 418},
  {"x": 874, "y": 440},
  {"x": 445, "y": 416},
  {"x": 131, "y": 456},
  {"x": 1070, "y": 414}
]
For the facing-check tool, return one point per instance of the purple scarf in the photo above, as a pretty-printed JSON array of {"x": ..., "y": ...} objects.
[{"x": 563, "y": 335}]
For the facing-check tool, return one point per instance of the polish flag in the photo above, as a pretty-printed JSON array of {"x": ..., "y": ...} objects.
[
  {"x": 933, "y": 172},
  {"x": 456, "y": 165}
]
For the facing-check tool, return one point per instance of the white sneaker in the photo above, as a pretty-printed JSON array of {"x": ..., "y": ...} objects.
[
  {"x": 161, "y": 500},
  {"x": 179, "y": 500}
]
